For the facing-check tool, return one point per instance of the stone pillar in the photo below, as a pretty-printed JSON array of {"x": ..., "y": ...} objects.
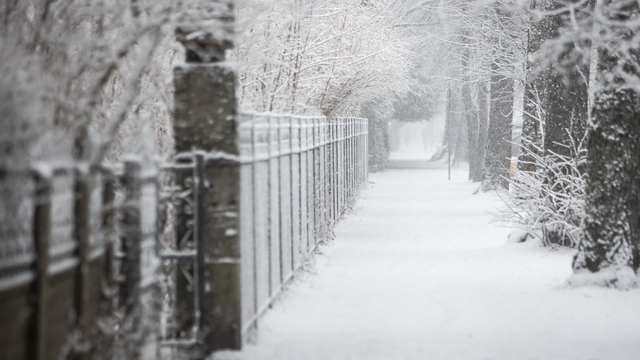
[{"x": 205, "y": 122}]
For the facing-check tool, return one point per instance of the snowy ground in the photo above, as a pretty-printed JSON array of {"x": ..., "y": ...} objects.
[
  {"x": 403, "y": 156},
  {"x": 420, "y": 273}
]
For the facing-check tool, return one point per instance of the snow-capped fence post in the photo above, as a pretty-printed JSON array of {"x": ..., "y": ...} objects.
[{"x": 206, "y": 121}]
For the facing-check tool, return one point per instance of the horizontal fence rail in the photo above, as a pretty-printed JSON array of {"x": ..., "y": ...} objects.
[{"x": 298, "y": 176}]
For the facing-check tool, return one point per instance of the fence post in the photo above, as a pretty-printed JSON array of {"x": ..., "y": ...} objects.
[
  {"x": 91, "y": 271},
  {"x": 131, "y": 238},
  {"x": 82, "y": 229},
  {"x": 205, "y": 120},
  {"x": 42, "y": 235}
]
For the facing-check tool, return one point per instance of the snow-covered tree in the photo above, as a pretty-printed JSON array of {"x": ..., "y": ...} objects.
[
  {"x": 611, "y": 242},
  {"x": 318, "y": 56},
  {"x": 103, "y": 70}
]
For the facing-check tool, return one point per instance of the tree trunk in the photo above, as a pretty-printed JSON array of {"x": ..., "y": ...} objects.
[
  {"x": 471, "y": 117},
  {"x": 483, "y": 118},
  {"x": 458, "y": 127},
  {"x": 566, "y": 93},
  {"x": 611, "y": 241},
  {"x": 448, "y": 120},
  {"x": 498, "y": 154},
  {"x": 532, "y": 120},
  {"x": 535, "y": 99},
  {"x": 462, "y": 140},
  {"x": 612, "y": 223},
  {"x": 556, "y": 96}
]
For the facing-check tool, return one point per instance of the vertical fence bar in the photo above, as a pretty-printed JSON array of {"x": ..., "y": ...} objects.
[
  {"x": 278, "y": 199},
  {"x": 201, "y": 311},
  {"x": 254, "y": 222},
  {"x": 325, "y": 159},
  {"x": 304, "y": 184},
  {"x": 356, "y": 141},
  {"x": 313, "y": 190},
  {"x": 338, "y": 167},
  {"x": 150, "y": 300},
  {"x": 343, "y": 165},
  {"x": 316, "y": 187},
  {"x": 247, "y": 223},
  {"x": 336, "y": 130},
  {"x": 347, "y": 163},
  {"x": 292, "y": 197},
  {"x": 92, "y": 270},
  {"x": 342, "y": 161},
  {"x": 42, "y": 235},
  {"x": 270, "y": 228},
  {"x": 295, "y": 193},
  {"x": 82, "y": 229},
  {"x": 108, "y": 226},
  {"x": 131, "y": 238},
  {"x": 285, "y": 198},
  {"x": 354, "y": 156},
  {"x": 349, "y": 158},
  {"x": 310, "y": 185},
  {"x": 274, "y": 207}
]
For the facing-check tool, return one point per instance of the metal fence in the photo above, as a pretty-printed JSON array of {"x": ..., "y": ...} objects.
[
  {"x": 80, "y": 252},
  {"x": 298, "y": 176},
  {"x": 116, "y": 262}
]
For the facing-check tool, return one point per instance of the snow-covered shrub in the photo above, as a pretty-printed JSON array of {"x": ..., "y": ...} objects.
[{"x": 547, "y": 203}]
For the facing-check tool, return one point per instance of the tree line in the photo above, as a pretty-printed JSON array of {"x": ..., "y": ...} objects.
[
  {"x": 91, "y": 80},
  {"x": 560, "y": 79}
]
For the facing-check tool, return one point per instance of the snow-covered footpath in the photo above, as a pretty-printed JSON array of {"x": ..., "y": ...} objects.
[{"x": 420, "y": 273}]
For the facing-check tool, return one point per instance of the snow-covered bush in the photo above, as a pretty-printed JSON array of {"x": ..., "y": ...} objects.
[{"x": 547, "y": 203}]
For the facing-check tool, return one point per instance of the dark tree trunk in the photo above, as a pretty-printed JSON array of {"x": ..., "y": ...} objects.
[
  {"x": 482, "y": 123},
  {"x": 532, "y": 120},
  {"x": 471, "y": 117},
  {"x": 462, "y": 143},
  {"x": 612, "y": 223},
  {"x": 535, "y": 99},
  {"x": 446, "y": 146},
  {"x": 556, "y": 96},
  {"x": 567, "y": 112},
  {"x": 448, "y": 129},
  {"x": 611, "y": 239},
  {"x": 565, "y": 90},
  {"x": 497, "y": 160}
]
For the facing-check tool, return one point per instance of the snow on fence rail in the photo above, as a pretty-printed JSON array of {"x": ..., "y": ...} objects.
[
  {"x": 134, "y": 240},
  {"x": 298, "y": 175}
]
